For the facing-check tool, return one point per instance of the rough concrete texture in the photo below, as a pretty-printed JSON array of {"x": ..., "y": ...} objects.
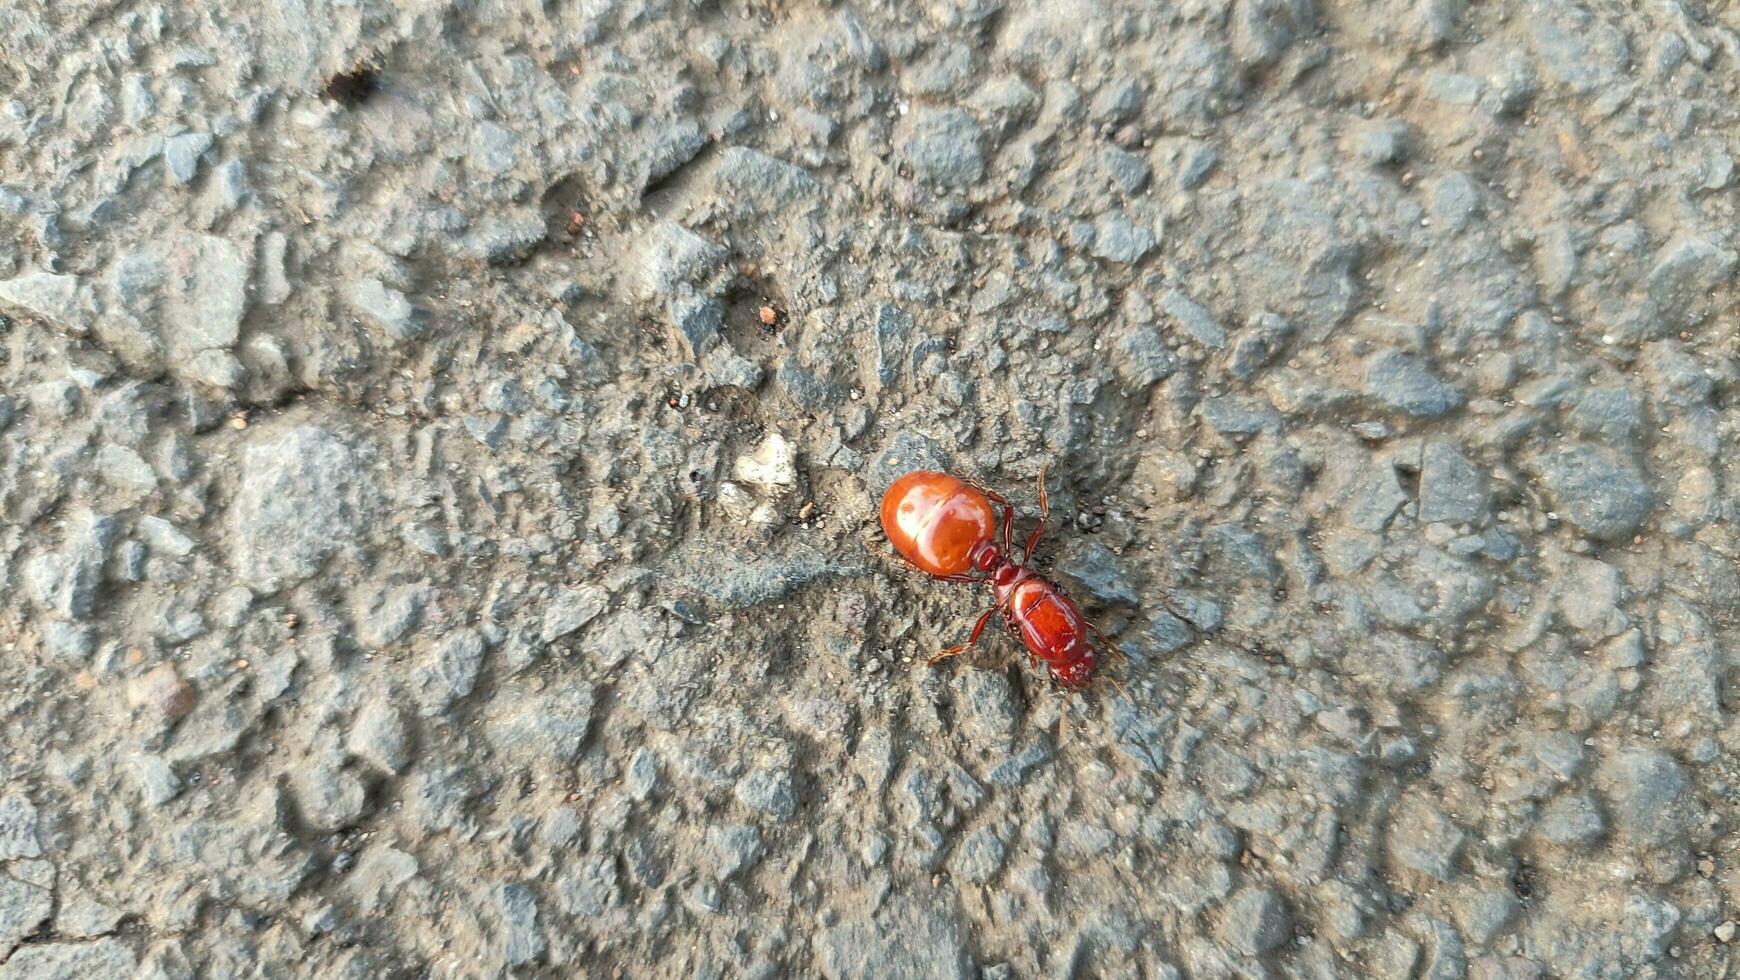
[{"x": 433, "y": 513}]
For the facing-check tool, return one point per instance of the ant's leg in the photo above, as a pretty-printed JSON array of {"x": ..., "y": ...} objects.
[
  {"x": 1008, "y": 512},
  {"x": 1121, "y": 688},
  {"x": 1044, "y": 512},
  {"x": 960, "y": 648},
  {"x": 1106, "y": 642},
  {"x": 879, "y": 553}
]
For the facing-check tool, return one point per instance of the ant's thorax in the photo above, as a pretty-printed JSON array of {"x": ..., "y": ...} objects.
[{"x": 1002, "y": 572}]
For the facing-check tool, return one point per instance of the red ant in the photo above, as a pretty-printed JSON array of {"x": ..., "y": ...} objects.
[{"x": 947, "y": 528}]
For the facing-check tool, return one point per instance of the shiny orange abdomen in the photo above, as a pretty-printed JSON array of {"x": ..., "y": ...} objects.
[{"x": 937, "y": 521}]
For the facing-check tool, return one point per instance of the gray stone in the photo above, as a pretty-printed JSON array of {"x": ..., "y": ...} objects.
[
  {"x": 979, "y": 856},
  {"x": 1126, "y": 171},
  {"x": 66, "y": 583},
  {"x": 129, "y": 562},
  {"x": 1100, "y": 572},
  {"x": 83, "y": 917},
  {"x": 1118, "y": 239},
  {"x": 1255, "y": 921},
  {"x": 517, "y": 940},
  {"x": 749, "y": 182},
  {"x": 1647, "y": 926},
  {"x": 67, "y": 641},
  {"x": 1423, "y": 839},
  {"x": 548, "y": 728},
  {"x": 768, "y": 790},
  {"x": 506, "y": 236},
  {"x": 1611, "y": 414},
  {"x": 1373, "y": 498},
  {"x": 643, "y": 774},
  {"x": 1675, "y": 376},
  {"x": 1455, "y": 201},
  {"x": 214, "y": 728},
  {"x": 864, "y": 49},
  {"x": 1406, "y": 383},
  {"x": 1452, "y": 491},
  {"x": 1194, "y": 319},
  {"x": 671, "y": 149},
  {"x": 378, "y": 876},
  {"x": 943, "y": 147},
  {"x": 571, "y": 610},
  {"x": 101, "y": 959},
  {"x": 1481, "y": 914},
  {"x": 1118, "y": 100},
  {"x": 697, "y": 320},
  {"x": 1556, "y": 258},
  {"x": 911, "y": 937},
  {"x": 1145, "y": 359},
  {"x": 752, "y": 581},
  {"x": 1600, "y": 491},
  {"x": 54, "y": 299},
  {"x": 560, "y": 827},
  {"x": 1589, "y": 597},
  {"x": 137, "y": 102},
  {"x": 436, "y": 799},
  {"x": 297, "y": 506},
  {"x": 732, "y": 848},
  {"x": 164, "y": 538},
  {"x": 1167, "y": 632},
  {"x": 1444, "y": 954},
  {"x": 450, "y": 671},
  {"x": 588, "y": 887},
  {"x": 124, "y": 469},
  {"x": 893, "y": 336},
  {"x": 23, "y": 907},
  {"x": 201, "y": 296},
  {"x": 1140, "y": 734},
  {"x": 492, "y": 149},
  {"x": 1382, "y": 142},
  {"x": 1685, "y": 273},
  {"x": 1451, "y": 88},
  {"x": 18, "y": 828},
  {"x": 229, "y": 185},
  {"x": 328, "y": 797},
  {"x": 1648, "y": 796},
  {"x": 379, "y": 737},
  {"x": 489, "y": 430},
  {"x": 810, "y": 392},
  {"x": 987, "y": 706},
  {"x": 1237, "y": 415},
  {"x": 1199, "y": 611},
  {"x": 390, "y": 615},
  {"x": 1257, "y": 345},
  {"x": 216, "y": 368},
  {"x": 628, "y": 633},
  {"x": 177, "y": 623},
  {"x": 1198, "y": 164},
  {"x": 181, "y": 154},
  {"x": 385, "y": 307},
  {"x": 671, "y": 257},
  {"x": 1242, "y": 552},
  {"x": 155, "y": 778}
]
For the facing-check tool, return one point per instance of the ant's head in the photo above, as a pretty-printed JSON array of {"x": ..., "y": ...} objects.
[{"x": 1074, "y": 675}]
